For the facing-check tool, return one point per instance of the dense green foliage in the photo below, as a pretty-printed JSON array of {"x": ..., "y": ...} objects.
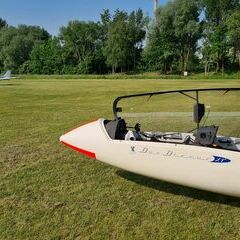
[
  {"x": 125, "y": 34},
  {"x": 218, "y": 46},
  {"x": 45, "y": 58},
  {"x": 173, "y": 38},
  {"x": 233, "y": 24},
  {"x": 16, "y": 44},
  {"x": 185, "y": 35},
  {"x": 82, "y": 42}
]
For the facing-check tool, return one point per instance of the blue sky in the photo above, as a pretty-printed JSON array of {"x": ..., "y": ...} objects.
[{"x": 51, "y": 14}]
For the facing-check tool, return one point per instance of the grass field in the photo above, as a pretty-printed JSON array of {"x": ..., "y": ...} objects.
[{"x": 48, "y": 191}]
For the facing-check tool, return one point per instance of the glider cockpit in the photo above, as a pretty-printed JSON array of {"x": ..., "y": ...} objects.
[{"x": 204, "y": 135}]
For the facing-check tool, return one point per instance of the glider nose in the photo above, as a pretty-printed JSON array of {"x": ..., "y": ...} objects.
[{"x": 82, "y": 139}]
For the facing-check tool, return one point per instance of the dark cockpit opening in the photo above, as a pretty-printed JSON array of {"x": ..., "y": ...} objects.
[
  {"x": 116, "y": 129},
  {"x": 206, "y": 136}
]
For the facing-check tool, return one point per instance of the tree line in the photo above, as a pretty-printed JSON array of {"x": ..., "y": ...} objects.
[{"x": 185, "y": 35}]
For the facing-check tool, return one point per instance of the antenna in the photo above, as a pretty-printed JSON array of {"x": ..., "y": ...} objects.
[{"x": 155, "y": 6}]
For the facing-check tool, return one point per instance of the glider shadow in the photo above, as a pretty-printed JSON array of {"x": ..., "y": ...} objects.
[{"x": 178, "y": 189}]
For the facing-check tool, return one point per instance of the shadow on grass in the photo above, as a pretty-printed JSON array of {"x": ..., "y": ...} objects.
[
  {"x": 179, "y": 190},
  {"x": 8, "y": 84}
]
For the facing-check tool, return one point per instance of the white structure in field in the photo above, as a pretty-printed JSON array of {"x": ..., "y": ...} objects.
[{"x": 6, "y": 76}]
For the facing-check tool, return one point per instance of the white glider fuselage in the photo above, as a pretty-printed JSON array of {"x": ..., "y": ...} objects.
[{"x": 189, "y": 165}]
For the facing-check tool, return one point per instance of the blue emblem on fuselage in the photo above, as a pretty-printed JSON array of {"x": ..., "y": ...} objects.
[{"x": 218, "y": 159}]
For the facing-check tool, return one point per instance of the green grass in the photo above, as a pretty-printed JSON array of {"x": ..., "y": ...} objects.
[{"x": 48, "y": 191}]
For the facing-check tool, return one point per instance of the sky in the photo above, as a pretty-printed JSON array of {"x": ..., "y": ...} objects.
[{"x": 52, "y": 14}]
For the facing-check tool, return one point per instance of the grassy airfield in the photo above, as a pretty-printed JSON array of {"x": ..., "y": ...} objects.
[{"x": 48, "y": 191}]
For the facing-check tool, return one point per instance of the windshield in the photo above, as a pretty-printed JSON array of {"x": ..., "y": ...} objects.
[{"x": 174, "y": 112}]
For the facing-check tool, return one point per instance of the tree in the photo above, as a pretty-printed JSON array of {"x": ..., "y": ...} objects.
[
  {"x": 124, "y": 40},
  {"x": 116, "y": 46},
  {"x": 3, "y": 23},
  {"x": 105, "y": 20},
  {"x": 82, "y": 42},
  {"x": 216, "y": 11},
  {"x": 215, "y": 28},
  {"x": 136, "y": 28},
  {"x": 45, "y": 58},
  {"x": 16, "y": 44},
  {"x": 175, "y": 34},
  {"x": 159, "y": 54},
  {"x": 233, "y": 26},
  {"x": 160, "y": 51},
  {"x": 187, "y": 29}
]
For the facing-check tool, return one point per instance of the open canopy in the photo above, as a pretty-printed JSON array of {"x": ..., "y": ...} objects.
[{"x": 182, "y": 110}]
